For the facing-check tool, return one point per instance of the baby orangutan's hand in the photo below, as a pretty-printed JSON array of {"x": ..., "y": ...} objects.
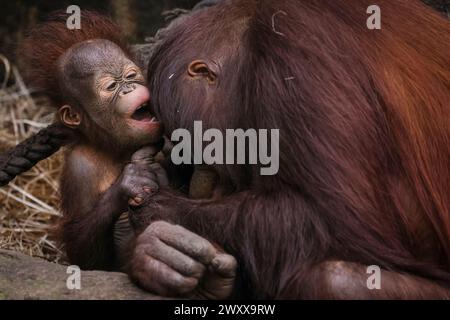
[{"x": 142, "y": 177}]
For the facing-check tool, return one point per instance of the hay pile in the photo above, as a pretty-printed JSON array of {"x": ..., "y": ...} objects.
[{"x": 29, "y": 205}]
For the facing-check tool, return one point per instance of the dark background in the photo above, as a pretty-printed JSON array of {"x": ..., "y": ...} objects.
[{"x": 138, "y": 18}]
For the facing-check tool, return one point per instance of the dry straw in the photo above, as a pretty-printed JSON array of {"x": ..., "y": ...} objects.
[{"x": 29, "y": 205}]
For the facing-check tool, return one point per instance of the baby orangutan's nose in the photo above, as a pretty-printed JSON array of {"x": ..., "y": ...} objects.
[{"x": 127, "y": 88}]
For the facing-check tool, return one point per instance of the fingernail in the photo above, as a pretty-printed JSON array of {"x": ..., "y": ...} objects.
[
  {"x": 147, "y": 190},
  {"x": 215, "y": 262}
]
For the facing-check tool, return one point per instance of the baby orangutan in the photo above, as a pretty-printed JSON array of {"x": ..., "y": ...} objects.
[{"x": 101, "y": 95}]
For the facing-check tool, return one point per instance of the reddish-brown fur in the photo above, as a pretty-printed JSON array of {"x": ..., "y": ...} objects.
[{"x": 364, "y": 120}]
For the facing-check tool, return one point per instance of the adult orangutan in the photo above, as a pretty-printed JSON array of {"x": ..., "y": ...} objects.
[{"x": 364, "y": 145}]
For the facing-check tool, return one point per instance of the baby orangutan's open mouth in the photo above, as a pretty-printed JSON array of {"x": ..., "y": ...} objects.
[
  {"x": 143, "y": 114},
  {"x": 142, "y": 119}
]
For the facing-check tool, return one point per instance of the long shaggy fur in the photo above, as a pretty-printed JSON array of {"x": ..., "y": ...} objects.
[{"x": 364, "y": 119}]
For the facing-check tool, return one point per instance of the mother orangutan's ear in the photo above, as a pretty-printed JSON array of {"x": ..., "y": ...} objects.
[
  {"x": 201, "y": 69},
  {"x": 69, "y": 116}
]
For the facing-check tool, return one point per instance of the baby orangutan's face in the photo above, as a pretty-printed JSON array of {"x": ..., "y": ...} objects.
[{"x": 110, "y": 94}]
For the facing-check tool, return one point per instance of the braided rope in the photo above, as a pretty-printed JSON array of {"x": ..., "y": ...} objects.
[{"x": 34, "y": 149}]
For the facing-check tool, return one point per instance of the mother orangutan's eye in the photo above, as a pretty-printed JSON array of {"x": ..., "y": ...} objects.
[{"x": 111, "y": 86}]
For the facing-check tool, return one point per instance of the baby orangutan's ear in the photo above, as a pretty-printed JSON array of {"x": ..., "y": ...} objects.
[{"x": 69, "y": 116}]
